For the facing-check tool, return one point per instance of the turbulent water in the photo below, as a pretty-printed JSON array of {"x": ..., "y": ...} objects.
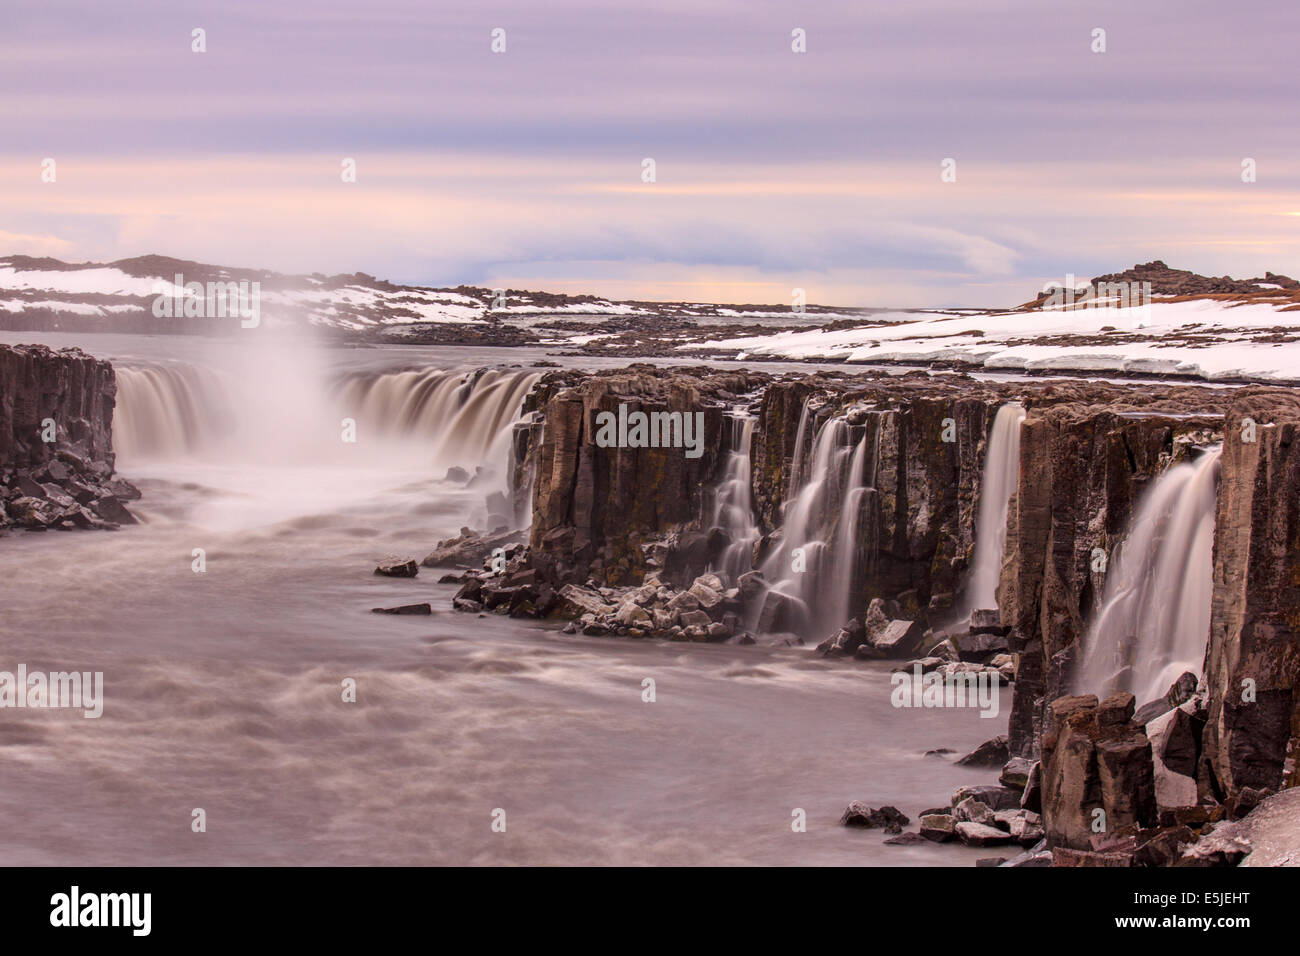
[
  {"x": 222, "y": 688},
  {"x": 1001, "y": 472},
  {"x": 1155, "y": 617}
]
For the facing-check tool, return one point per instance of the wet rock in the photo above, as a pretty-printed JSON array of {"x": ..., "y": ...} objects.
[
  {"x": 403, "y": 609},
  {"x": 909, "y": 838},
  {"x": 1179, "y": 693},
  {"x": 899, "y": 638},
  {"x": 939, "y": 828},
  {"x": 779, "y": 612},
  {"x": 980, "y": 835},
  {"x": 398, "y": 568},
  {"x": 1038, "y": 856},
  {"x": 1164, "y": 847},
  {"x": 1268, "y": 836},
  {"x": 996, "y": 798},
  {"x": 574, "y": 601},
  {"x": 858, "y": 814},
  {"x": 471, "y": 549},
  {"x": 991, "y": 753},
  {"x": 1015, "y": 773},
  {"x": 1067, "y": 857},
  {"x": 1032, "y": 798},
  {"x": 1089, "y": 765},
  {"x": 987, "y": 621},
  {"x": 971, "y": 810}
]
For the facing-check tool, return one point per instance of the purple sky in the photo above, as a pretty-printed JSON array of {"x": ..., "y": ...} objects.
[{"x": 774, "y": 170}]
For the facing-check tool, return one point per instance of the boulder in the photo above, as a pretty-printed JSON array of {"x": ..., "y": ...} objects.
[
  {"x": 858, "y": 814},
  {"x": 991, "y": 753},
  {"x": 403, "y": 609},
  {"x": 979, "y": 835},
  {"x": 899, "y": 638},
  {"x": 1091, "y": 766},
  {"x": 398, "y": 568},
  {"x": 939, "y": 827},
  {"x": 1015, "y": 773}
]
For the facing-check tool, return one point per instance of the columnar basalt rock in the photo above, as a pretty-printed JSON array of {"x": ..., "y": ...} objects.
[
  {"x": 594, "y": 506},
  {"x": 1253, "y": 664},
  {"x": 1083, "y": 464},
  {"x": 56, "y": 452},
  {"x": 1097, "y": 774}
]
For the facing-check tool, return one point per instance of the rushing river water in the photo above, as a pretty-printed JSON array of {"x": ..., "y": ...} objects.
[{"x": 222, "y": 688}]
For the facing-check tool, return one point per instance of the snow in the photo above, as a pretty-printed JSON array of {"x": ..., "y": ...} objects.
[
  {"x": 101, "y": 281},
  {"x": 1203, "y": 338}
]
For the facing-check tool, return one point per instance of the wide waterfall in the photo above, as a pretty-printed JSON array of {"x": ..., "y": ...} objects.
[
  {"x": 1155, "y": 616},
  {"x": 166, "y": 411},
  {"x": 733, "y": 504},
  {"x": 1001, "y": 473},
  {"x": 280, "y": 412},
  {"x": 467, "y": 416}
]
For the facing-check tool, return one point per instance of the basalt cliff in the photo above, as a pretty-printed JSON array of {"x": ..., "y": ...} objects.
[
  {"x": 842, "y": 511},
  {"x": 56, "y": 451}
]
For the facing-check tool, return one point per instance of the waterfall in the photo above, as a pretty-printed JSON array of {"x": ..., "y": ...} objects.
[
  {"x": 733, "y": 506},
  {"x": 814, "y": 564},
  {"x": 468, "y": 416},
  {"x": 1154, "y": 620},
  {"x": 166, "y": 411},
  {"x": 278, "y": 412},
  {"x": 1001, "y": 473}
]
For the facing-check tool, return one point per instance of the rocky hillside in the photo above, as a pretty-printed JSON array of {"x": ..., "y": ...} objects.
[{"x": 47, "y": 294}]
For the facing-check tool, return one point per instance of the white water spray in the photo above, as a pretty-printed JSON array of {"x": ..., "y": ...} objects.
[
  {"x": 1155, "y": 617},
  {"x": 1001, "y": 474},
  {"x": 733, "y": 506}
]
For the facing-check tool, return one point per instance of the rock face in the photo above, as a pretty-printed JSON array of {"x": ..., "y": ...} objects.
[
  {"x": 594, "y": 507},
  {"x": 1253, "y": 663},
  {"x": 916, "y": 520},
  {"x": 56, "y": 453},
  {"x": 1082, "y": 466},
  {"x": 1097, "y": 771}
]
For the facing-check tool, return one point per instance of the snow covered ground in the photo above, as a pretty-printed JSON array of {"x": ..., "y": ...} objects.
[{"x": 1211, "y": 338}]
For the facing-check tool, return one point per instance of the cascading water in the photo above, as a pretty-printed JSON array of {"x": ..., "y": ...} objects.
[
  {"x": 274, "y": 410},
  {"x": 467, "y": 415},
  {"x": 1001, "y": 474},
  {"x": 168, "y": 410},
  {"x": 733, "y": 506},
  {"x": 814, "y": 564},
  {"x": 1155, "y": 616}
]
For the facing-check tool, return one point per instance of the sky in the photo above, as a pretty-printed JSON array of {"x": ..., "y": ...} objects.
[{"x": 774, "y": 170}]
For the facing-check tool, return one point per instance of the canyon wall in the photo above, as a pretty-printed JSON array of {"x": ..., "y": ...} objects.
[
  {"x": 603, "y": 512},
  {"x": 1083, "y": 464},
  {"x": 1253, "y": 663},
  {"x": 56, "y": 451}
]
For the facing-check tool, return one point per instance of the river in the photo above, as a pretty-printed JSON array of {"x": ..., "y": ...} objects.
[{"x": 222, "y": 688}]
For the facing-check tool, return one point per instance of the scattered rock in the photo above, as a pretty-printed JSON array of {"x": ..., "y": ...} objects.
[
  {"x": 403, "y": 609},
  {"x": 858, "y": 814},
  {"x": 991, "y": 753},
  {"x": 398, "y": 568},
  {"x": 979, "y": 835}
]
